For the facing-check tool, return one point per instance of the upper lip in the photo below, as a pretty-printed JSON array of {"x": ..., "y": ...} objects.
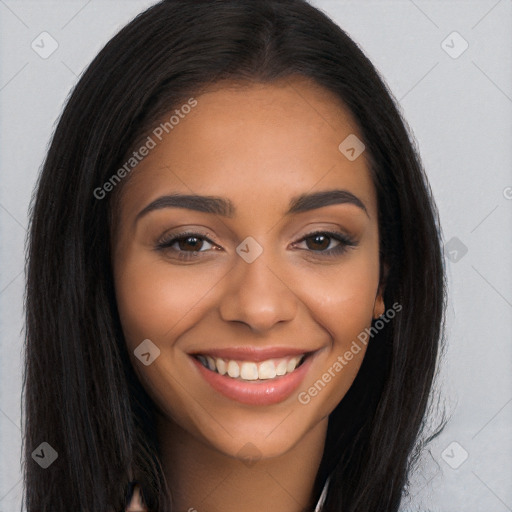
[{"x": 255, "y": 354}]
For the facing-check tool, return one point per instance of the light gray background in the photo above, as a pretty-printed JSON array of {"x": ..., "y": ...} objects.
[{"x": 459, "y": 110}]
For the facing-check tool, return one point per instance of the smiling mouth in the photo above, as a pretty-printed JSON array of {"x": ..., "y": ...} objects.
[{"x": 251, "y": 370}]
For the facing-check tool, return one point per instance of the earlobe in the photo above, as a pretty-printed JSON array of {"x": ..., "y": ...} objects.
[{"x": 379, "y": 306}]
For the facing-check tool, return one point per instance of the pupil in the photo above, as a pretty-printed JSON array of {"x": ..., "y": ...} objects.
[
  {"x": 316, "y": 239},
  {"x": 195, "y": 241}
]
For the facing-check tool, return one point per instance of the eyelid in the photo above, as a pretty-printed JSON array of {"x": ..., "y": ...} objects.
[
  {"x": 173, "y": 237},
  {"x": 345, "y": 240}
]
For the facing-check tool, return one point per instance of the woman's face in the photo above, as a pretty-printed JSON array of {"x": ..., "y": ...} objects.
[{"x": 249, "y": 288}]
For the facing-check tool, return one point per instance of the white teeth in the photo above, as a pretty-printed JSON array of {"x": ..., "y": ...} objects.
[
  {"x": 211, "y": 362},
  {"x": 292, "y": 364},
  {"x": 233, "y": 369},
  {"x": 221, "y": 366},
  {"x": 267, "y": 370},
  {"x": 248, "y": 370},
  {"x": 281, "y": 367}
]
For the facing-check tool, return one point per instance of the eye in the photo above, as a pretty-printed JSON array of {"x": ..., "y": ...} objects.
[
  {"x": 186, "y": 245},
  {"x": 189, "y": 245},
  {"x": 328, "y": 243}
]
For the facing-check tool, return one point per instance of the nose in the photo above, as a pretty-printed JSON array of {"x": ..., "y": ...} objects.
[{"x": 257, "y": 295}]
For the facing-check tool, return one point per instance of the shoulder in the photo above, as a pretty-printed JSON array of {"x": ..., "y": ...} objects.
[{"x": 135, "y": 504}]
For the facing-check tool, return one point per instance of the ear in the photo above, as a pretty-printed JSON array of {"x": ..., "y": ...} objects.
[{"x": 379, "y": 306}]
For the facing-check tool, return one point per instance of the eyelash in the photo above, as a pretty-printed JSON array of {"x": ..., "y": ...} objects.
[{"x": 166, "y": 243}]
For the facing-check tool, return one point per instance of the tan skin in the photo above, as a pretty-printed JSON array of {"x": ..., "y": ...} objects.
[{"x": 258, "y": 146}]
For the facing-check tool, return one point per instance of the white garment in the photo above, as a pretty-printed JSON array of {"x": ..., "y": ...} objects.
[{"x": 321, "y": 500}]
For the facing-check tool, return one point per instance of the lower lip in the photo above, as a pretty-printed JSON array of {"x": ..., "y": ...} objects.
[{"x": 267, "y": 392}]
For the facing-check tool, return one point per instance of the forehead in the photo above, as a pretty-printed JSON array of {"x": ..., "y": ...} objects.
[{"x": 254, "y": 144}]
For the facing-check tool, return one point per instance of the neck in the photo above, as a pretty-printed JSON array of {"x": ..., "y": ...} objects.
[{"x": 202, "y": 478}]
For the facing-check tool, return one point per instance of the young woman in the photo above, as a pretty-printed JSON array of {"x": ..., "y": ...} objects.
[{"x": 235, "y": 287}]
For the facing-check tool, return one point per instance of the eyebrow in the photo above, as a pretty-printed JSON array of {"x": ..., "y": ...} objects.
[{"x": 225, "y": 208}]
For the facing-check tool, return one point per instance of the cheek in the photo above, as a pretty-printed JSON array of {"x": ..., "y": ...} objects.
[
  {"x": 343, "y": 298},
  {"x": 342, "y": 303},
  {"x": 157, "y": 302},
  {"x": 154, "y": 298}
]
